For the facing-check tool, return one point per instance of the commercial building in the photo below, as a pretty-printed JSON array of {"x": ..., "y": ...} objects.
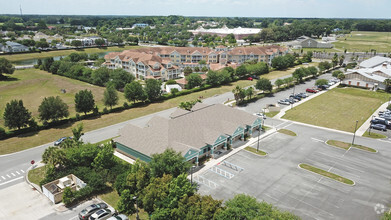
[
  {"x": 307, "y": 42},
  {"x": 370, "y": 74},
  {"x": 12, "y": 47},
  {"x": 201, "y": 132},
  {"x": 239, "y": 32}
]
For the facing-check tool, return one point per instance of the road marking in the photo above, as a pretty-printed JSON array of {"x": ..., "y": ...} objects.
[
  {"x": 13, "y": 174},
  {"x": 8, "y": 176},
  {"x": 11, "y": 180},
  {"x": 317, "y": 140},
  {"x": 74, "y": 218},
  {"x": 22, "y": 171},
  {"x": 3, "y": 177},
  {"x": 384, "y": 141},
  {"x": 17, "y": 172}
]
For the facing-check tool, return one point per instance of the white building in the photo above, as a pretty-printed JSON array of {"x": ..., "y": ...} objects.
[
  {"x": 370, "y": 74},
  {"x": 239, "y": 32}
]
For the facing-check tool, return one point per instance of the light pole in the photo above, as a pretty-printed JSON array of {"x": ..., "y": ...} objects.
[
  {"x": 259, "y": 132},
  {"x": 370, "y": 127},
  {"x": 191, "y": 174},
  {"x": 354, "y": 134},
  {"x": 137, "y": 217}
]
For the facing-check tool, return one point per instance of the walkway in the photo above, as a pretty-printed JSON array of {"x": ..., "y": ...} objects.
[{"x": 367, "y": 123}]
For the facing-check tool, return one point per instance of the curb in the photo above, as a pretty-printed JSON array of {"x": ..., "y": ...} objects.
[{"x": 33, "y": 185}]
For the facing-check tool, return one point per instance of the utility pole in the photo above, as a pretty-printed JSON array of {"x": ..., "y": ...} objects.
[{"x": 354, "y": 134}]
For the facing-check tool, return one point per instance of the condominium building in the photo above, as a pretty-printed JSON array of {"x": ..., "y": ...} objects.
[{"x": 168, "y": 62}]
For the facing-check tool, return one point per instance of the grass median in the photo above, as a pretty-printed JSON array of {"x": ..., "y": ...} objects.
[
  {"x": 373, "y": 135},
  {"x": 326, "y": 174},
  {"x": 346, "y": 146},
  {"x": 287, "y": 132},
  {"x": 253, "y": 150},
  {"x": 37, "y": 175}
]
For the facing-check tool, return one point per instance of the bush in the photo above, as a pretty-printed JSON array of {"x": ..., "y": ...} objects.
[
  {"x": 77, "y": 117},
  {"x": 126, "y": 105},
  {"x": 67, "y": 197},
  {"x": 96, "y": 110},
  {"x": 2, "y": 133},
  {"x": 170, "y": 82}
]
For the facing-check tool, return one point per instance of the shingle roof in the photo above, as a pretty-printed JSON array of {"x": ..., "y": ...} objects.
[{"x": 188, "y": 130}]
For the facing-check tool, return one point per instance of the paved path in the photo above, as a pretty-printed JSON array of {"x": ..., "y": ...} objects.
[{"x": 364, "y": 127}]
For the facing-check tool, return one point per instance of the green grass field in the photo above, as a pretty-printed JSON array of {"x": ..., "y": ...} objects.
[
  {"x": 32, "y": 85},
  {"x": 253, "y": 150},
  {"x": 361, "y": 41},
  {"x": 287, "y": 132},
  {"x": 338, "y": 108},
  {"x": 28, "y": 56},
  {"x": 346, "y": 146}
]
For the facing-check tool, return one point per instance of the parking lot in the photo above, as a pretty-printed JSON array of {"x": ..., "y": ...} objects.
[
  {"x": 273, "y": 99},
  {"x": 277, "y": 179}
]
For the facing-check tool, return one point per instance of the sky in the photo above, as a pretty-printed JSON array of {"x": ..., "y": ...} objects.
[{"x": 210, "y": 8}]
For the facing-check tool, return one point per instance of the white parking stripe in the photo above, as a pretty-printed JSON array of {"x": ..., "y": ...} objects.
[
  {"x": 13, "y": 174},
  {"x": 22, "y": 171},
  {"x": 17, "y": 172},
  {"x": 3, "y": 177},
  {"x": 8, "y": 176}
]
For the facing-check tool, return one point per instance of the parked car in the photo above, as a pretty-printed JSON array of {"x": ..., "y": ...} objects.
[
  {"x": 284, "y": 102},
  {"x": 297, "y": 97},
  {"x": 59, "y": 141},
  {"x": 259, "y": 114},
  {"x": 91, "y": 209},
  {"x": 291, "y": 100},
  {"x": 311, "y": 90},
  {"x": 385, "y": 116},
  {"x": 101, "y": 214},
  {"x": 250, "y": 78},
  {"x": 382, "y": 121},
  {"x": 254, "y": 77},
  {"x": 119, "y": 217},
  {"x": 379, "y": 127},
  {"x": 322, "y": 87},
  {"x": 302, "y": 95}
]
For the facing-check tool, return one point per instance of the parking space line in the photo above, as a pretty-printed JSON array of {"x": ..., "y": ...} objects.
[
  {"x": 8, "y": 176},
  {"x": 13, "y": 174},
  {"x": 11, "y": 180},
  {"x": 17, "y": 172},
  {"x": 22, "y": 171},
  {"x": 3, "y": 177}
]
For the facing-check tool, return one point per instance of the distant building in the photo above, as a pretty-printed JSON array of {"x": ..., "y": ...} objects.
[
  {"x": 12, "y": 47},
  {"x": 86, "y": 41},
  {"x": 39, "y": 35},
  {"x": 370, "y": 74},
  {"x": 239, "y": 32},
  {"x": 307, "y": 42},
  {"x": 142, "y": 25}
]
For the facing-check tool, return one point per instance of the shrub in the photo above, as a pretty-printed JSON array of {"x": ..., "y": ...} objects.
[
  {"x": 67, "y": 197},
  {"x": 77, "y": 117},
  {"x": 2, "y": 133},
  {"x": 126, "y": 105},
  {"x": 96, "y": 110},
  {"x": 170, "y": 82}
]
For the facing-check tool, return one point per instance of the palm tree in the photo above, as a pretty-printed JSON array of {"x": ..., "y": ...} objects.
[
  {"x": 238, "y": 94},
  {"x": 341, "y": 77}
]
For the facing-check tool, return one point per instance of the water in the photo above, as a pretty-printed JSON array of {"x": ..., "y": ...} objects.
[{"x": 35, "y": 60}]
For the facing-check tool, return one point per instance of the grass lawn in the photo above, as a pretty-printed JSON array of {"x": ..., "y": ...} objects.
[
  {"x": 346, "y": 146},
  {"x": 33, "y": 85},
  {"x": 28, "y": 56},
  {"x": 338, "y": 108},
  {"x": 253, "y": 150},
  {"x": 326, "y": 174},
  {"x": 365, "y": 41},
  {"x": 271, "y": 114},
  {"x": 280, "y": 73},
  {"x": 374, "y": 135},
  {"x": 287, "y": 132},
  {"x": 37, "y": 174}
]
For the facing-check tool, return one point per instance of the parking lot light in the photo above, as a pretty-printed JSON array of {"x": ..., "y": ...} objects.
[{"x": 354, "y": 134}]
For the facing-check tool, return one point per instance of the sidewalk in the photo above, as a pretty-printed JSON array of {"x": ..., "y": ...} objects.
[
  {"x": 214, "y": 162},
  {"x": 360, "y": 131}
]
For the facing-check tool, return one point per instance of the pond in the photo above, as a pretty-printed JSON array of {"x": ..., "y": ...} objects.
[{"x": 35, "y": 61}]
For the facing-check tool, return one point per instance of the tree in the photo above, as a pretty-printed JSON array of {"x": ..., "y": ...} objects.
[
  {"x": 5, "y": 67},
  {"x": 298, "y": 74},
  {"x": 187, "y": 70},
  {"x": 84, "y": 101},
  {"x": 110, "y": 97},
  {"x": 250, "y": 92},
  {"x": 77, "y": 132},
  {"x": 241, "y": 71},
  {"x": 334, "y": 60},
  {"x": 264, "y": 84},
  {"x": 321, "y": 82},
  {"x": 100, "y": 42},
  {"x": 16, "y": 115},
  {"x": 341, "y": 77},
  {"x": 100, "y": 76},
  {"x": 156, "y": 192},
  {"x": 212, "y": 78},
  {"x": 67, "y": 196},
  {"x": 119, "y": 77},
  {"x": 168, "y": 162},
  {"x": 47, "y": 63},
  {"x": 153, "y": 89},
  {"x": 188, "y": 105},
  {"x": 134, "y": 91},
  {"x": 313, "y": 71},
  {"x": 179, "y": 188},
  {"x": 197, "y": 207},
  {"x": 126, "y": 203},
  {"x": 193, "y": 80},
  {"x": 387, "y": 83},
  {"x": 239, "y": 94},
  {"x": 76, "y": 43},
  {"x": 247, "y": 207},
  {"x": 105, "y": 158},
  {"x": 54, "y": 156},
  {"x": 341, "y": 59},
  {"x": 52, "y": 108},
  {"x": 336, "y": 73},
  {"x": 324, "y": 66},
  {"x": 279, "y": 82}
]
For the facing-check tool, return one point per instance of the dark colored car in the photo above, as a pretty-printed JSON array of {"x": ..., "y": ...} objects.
[
  {"x": 59, "y": 141},
  {"x": 311, "y": 90},
  {"x": 322, "y": 87},
  {"x": 297, "y": 97},
  {"x": 379, "y": 127},
  {"x": 254, "y": 77},
  {"x": 302, "y": 95},
  {"x": 91, "y": 209}
]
